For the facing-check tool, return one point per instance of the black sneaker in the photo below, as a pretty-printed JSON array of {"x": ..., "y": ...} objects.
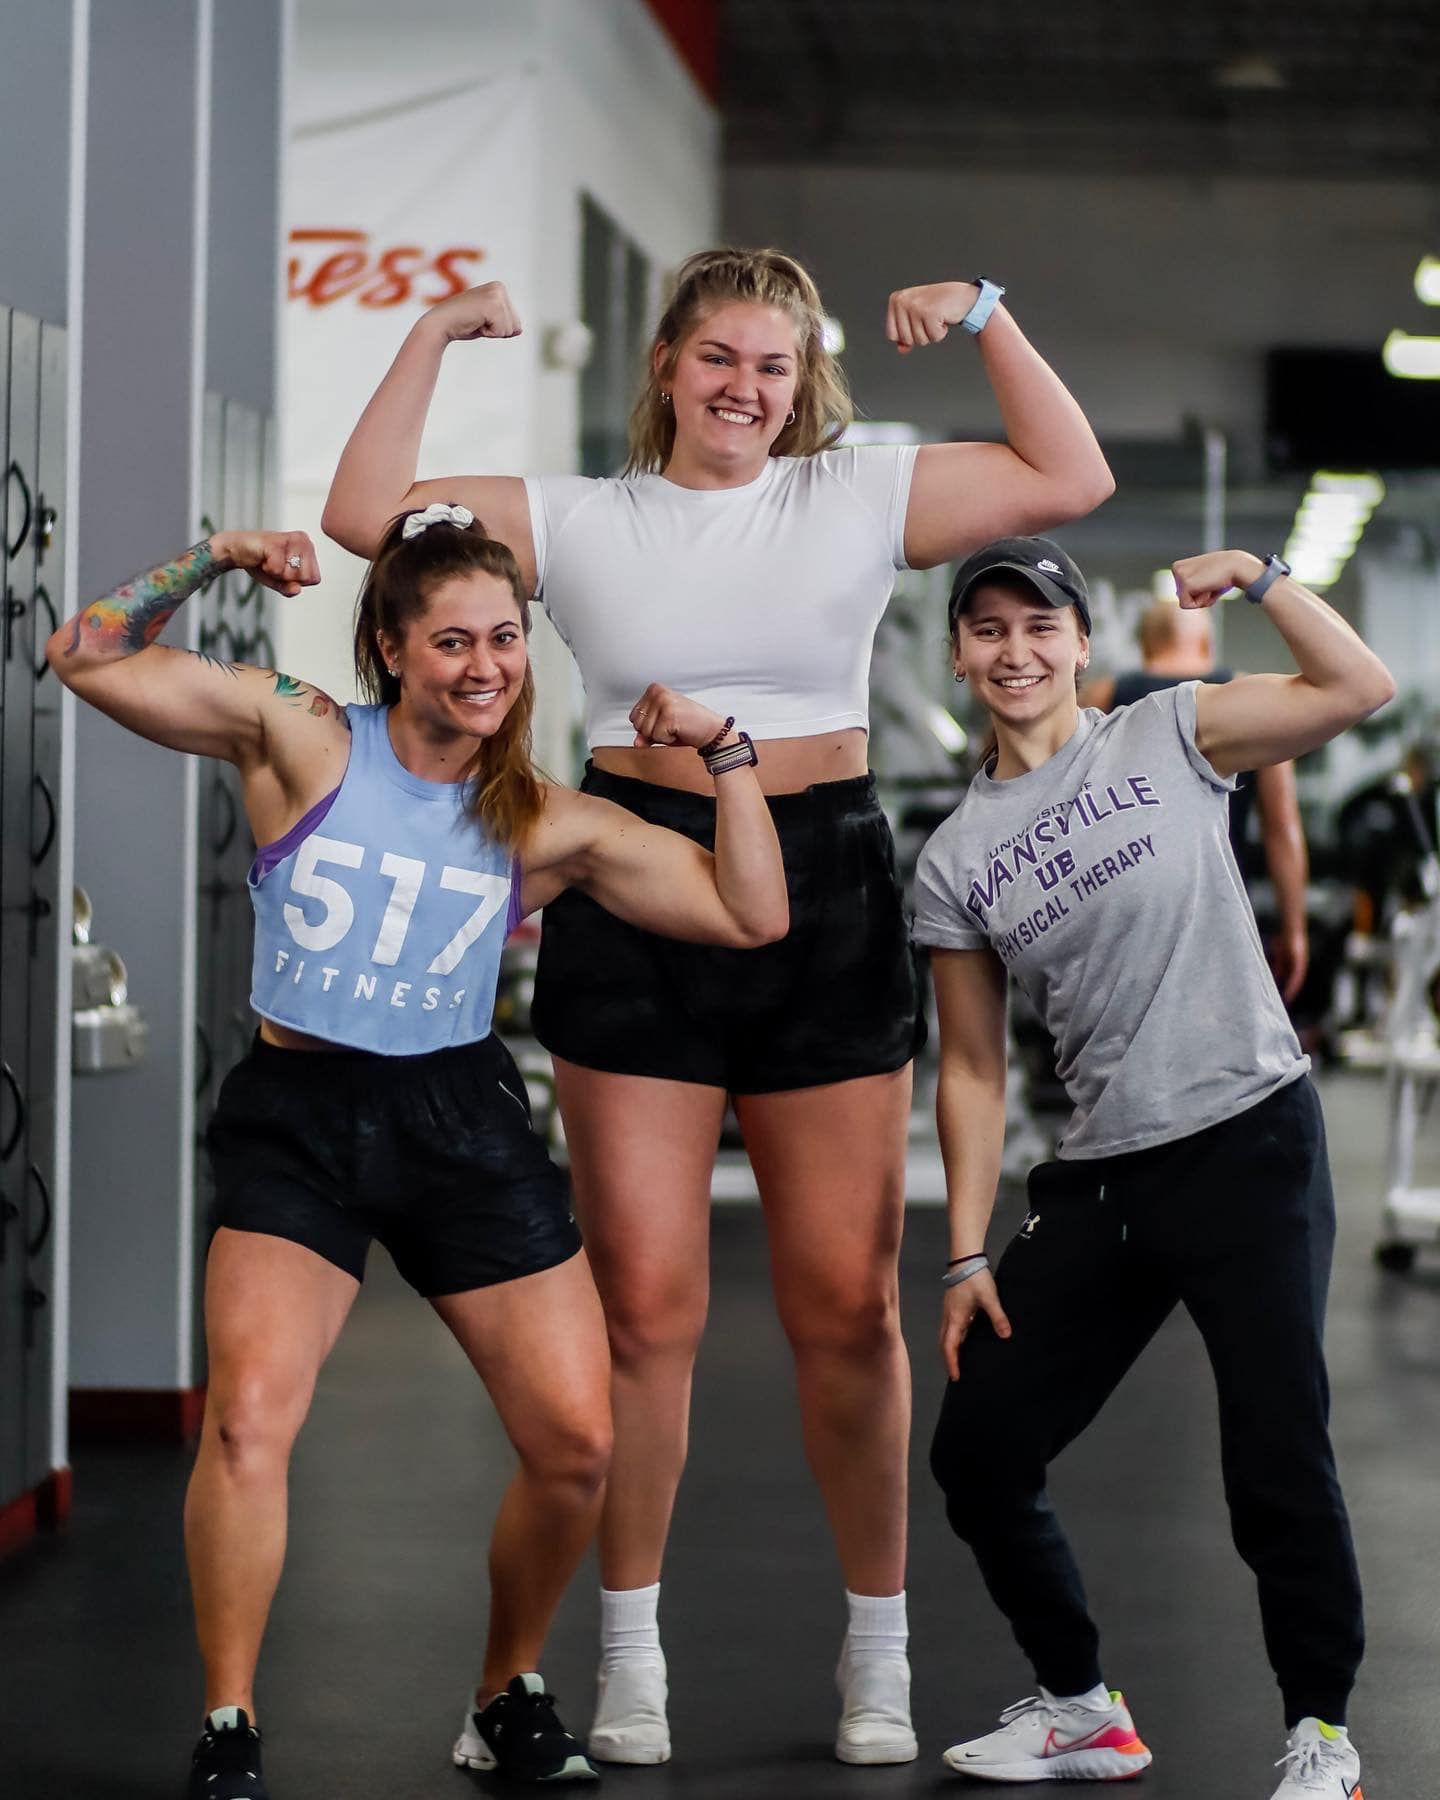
[
  {"x": 519, "y": 1735},
  {"x": 226, "y": 1764}
]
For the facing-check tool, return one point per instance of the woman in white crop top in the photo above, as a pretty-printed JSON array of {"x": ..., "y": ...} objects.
[{"x": 745, "y": 554}]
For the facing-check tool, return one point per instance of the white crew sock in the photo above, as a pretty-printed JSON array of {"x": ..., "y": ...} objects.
[
  {"x": 629, "y": 1629},
  {"x": 1097, "y": 1699},
  {"x": 878, "y": 1624}
]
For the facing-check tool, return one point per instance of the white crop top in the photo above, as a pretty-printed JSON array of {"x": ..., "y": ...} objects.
[{"x": 760, "y": 600}]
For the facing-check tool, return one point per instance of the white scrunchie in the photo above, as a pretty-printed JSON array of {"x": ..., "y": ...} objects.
[{"x": 438, "y": 514}]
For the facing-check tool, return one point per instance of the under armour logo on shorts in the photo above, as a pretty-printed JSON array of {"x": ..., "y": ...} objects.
[{"x": 1027, "y": 1229}]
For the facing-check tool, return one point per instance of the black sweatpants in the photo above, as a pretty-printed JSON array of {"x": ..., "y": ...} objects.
[{"x": 1237, "y": 1224}]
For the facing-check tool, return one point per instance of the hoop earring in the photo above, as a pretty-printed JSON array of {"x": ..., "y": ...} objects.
[
  {"x": 960, "y": 677},
  {"x": 791, "y": 419}
]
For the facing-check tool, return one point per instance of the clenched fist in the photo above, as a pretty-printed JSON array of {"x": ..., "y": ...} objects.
[
  {"x": 282, "y": 560},
  {"x": 661, "y": 716},
  {"x": 924, "y": 315},
  {"x": 480, "y": 312}
]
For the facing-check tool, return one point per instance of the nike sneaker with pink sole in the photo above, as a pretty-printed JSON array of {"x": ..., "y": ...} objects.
[
  {"x": 1320, "y": 1763},
  {"x": 1045, "y": 1739}
]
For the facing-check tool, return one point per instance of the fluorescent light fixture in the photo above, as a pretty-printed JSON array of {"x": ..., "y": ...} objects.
[
  {"x": 1427, "y": 281},
  {"x": 950, "y": 731},
  {"x": 832, "y": 334},
  {"x": 1369, "y": 488},
  {"x": 1162, "y": 585},
  {"x": 1329, "y": 522},
  {"x": 1412, "y": 358}
]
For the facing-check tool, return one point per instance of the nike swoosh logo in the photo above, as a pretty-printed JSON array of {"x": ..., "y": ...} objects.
[{"x": 1055, "y": 1743}]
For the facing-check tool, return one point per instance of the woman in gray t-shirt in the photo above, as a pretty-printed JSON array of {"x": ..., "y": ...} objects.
[{"x": 1090, "y": 861}]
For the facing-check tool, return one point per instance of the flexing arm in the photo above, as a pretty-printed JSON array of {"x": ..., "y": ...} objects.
[
  {"x": 1256, "y": 720},
  {"x": 1050, "y": 468},
  {"x": 970, "y": 1117},
  {"x": 658, "y": 879},
  {"x": 375, "y": 479},
  {"x": 1283, "y": 838},
  {"x": 184, "y": 699}
]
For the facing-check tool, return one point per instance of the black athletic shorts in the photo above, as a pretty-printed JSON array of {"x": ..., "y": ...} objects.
[
  {"x": 835, "y": 999},
  {"x": 434, "y": 1155}
]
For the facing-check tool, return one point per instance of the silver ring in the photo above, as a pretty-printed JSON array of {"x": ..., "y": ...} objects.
[{"x": 293, "y": 561}]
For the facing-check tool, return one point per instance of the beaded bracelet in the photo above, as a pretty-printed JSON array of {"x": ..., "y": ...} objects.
[
  {"x": 718, "y": 739},
  {"x": 739, "y": 755}
]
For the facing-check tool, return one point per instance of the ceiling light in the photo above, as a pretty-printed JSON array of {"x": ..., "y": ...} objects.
[
  {"x": 1162, "y": 585},
  {"x": 832, "y": 334},
  {"x": 1427, "y": 280},
  {"x": 1328, "y": 524},
  {"x": 1414, "y": 358}
]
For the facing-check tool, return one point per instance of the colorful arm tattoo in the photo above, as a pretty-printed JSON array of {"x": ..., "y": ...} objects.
[
  {"x": 133, "y": 616},
  {"x": 300, "y": 693}
]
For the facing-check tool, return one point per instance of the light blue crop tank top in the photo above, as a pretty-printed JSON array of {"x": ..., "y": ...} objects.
[{"x": 381, "y": 915}]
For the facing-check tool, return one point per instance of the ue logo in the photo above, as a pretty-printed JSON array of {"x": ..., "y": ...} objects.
[{"x": 1052, "y": 873}]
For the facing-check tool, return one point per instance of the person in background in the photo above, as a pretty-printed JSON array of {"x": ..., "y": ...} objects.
[{"x": 1179, "y": 645}]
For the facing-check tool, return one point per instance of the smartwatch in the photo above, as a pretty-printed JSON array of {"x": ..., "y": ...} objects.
[
  {"x": 978, "y": 316},
  {"x": 1275, "y": 567}
]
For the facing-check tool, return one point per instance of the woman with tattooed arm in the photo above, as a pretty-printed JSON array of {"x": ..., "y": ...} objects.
[{"x": 397, "y": 839}]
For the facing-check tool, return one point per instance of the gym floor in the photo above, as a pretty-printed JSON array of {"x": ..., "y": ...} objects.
[{"x": 375, "y": 1635}]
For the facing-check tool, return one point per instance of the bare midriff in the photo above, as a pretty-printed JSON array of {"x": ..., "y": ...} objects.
[
  {"x": 787, "y": 765},
  {"x": 286, "y": 1039}
]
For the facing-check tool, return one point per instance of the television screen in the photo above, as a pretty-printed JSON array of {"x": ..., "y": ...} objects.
[{"x": 1340, "y": 409}]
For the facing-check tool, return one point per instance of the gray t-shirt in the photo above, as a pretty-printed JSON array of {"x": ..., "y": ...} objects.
[{"x": 1105, "y": 882}]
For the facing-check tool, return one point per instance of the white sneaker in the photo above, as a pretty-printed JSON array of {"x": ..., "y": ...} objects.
[
  {"x": 470, "y": 1751},
  {"x": 1045, "y": 1739},
  {"x": 630, "y": 1723},
  {"x": 1319, "y": 1759},
  {"x": 875, "y": 1713}
]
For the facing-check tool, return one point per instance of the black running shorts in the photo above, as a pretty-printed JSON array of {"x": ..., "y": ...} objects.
[
  {"x": 434, "y": 1155},
  {"x": 835, "y": 999}
]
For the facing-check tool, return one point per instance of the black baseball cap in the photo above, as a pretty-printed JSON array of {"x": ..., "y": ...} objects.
[{"x": 1039, "y": 562}]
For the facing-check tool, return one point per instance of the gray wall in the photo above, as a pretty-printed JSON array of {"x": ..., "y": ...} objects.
[
  {"x": 1153, "y": 296},
  {"x": 133, "y": 808},
  {"x": 241, "y": 303},
  {"x": 35, "y": 155},
  {"x": 35, "y": 50}
]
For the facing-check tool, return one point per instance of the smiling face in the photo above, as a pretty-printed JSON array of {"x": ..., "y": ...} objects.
[
  {"x": 462, "y": 660},
  {"x": 1020, "y": 654},
  {"x": 732, "y": 385}
]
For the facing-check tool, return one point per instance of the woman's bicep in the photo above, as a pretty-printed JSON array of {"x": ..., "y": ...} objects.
[
  {"x": 180, "y": 699},
  {"x": 962, "y": 495},
  {"x": 499, "y": 503},
  {"x": 1255, "y": 720}
]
